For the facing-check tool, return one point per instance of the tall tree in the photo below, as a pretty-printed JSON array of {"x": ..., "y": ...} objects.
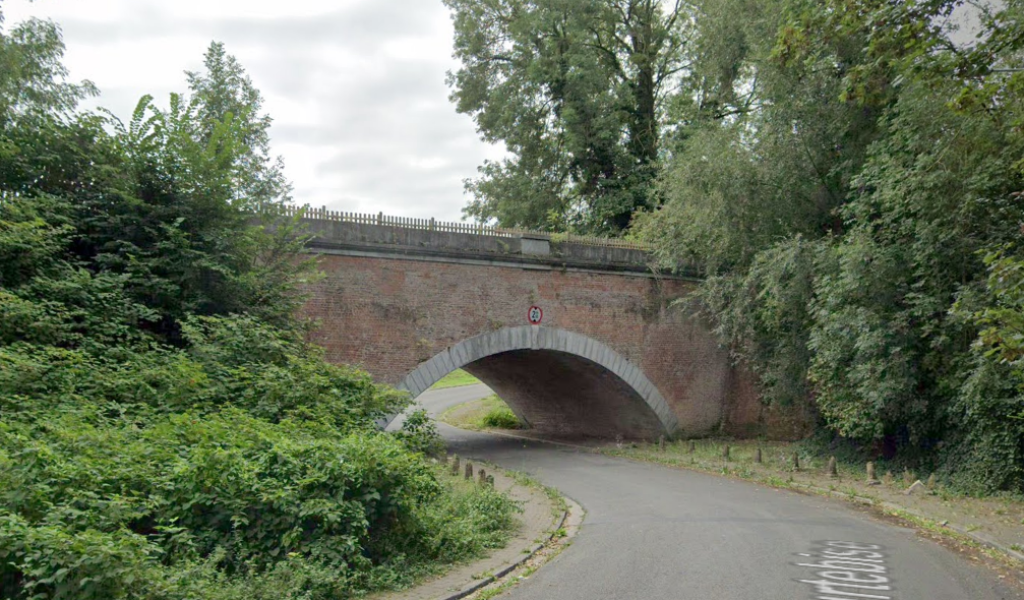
[
  {"x": 576, "y": 91},
  {"x": 32, "y": 74},
  {"x": 841, "y": 182},
  {"x": 224, "y": 92},
  {"x": 162, "y": 201},
  {"x": 764, "y": 146}
]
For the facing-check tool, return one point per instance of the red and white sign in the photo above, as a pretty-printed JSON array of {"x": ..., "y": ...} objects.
[{"x": 534, "y": 315}]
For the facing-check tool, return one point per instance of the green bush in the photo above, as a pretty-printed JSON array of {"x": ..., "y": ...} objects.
[
  {"x": 764, "y": 316},
  {"x": 294, "y": 383},
  {"x": 989, "y": 453},
  {"x": 227, "y": 480},
  {"x": 484, "y": 518},
  {"x": 232, "y": 463},
  {"x": 166, "y": 432},
  {"x": 501, "y": 417},
  {"x": 82, "y": 493},
  {"x": 420, "y": 434},
  {"x": 49, "y": 560}
]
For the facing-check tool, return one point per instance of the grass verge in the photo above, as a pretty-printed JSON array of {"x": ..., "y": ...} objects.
[
  {"x": 456, "y": 378},
  {"x": 487, "y": 413},
  {"x": 469, "y": 522},
  {"x": 569, "y": 516}
]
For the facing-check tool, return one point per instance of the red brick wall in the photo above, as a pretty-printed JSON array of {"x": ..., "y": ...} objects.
[{"x": 388, "y": 315}]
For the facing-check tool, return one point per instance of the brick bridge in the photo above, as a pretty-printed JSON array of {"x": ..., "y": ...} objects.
[{"x": 412, "y": 300}]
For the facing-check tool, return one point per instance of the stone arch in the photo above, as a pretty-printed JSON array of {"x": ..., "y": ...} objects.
[{"x": 534, "y": 337}]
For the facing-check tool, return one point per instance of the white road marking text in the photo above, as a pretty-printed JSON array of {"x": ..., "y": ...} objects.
[{"x": 848, "y": 571}]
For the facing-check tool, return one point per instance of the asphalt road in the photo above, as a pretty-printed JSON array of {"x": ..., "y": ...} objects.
[{"x": 658, "y": 533}]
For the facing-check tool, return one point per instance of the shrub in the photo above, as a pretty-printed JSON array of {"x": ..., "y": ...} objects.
[
  {"x": 50, "y": 560},
  {"x": 420, "y": 434},
  {"x": 166, "y": 433},
  {"x": 501, "y": 417},
  {"x": 88, "y": 505}
]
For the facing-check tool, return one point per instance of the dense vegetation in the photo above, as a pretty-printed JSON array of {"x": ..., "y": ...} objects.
[
  {"x": 165, "y": 432},
  {"x": 573, "y": 89},
  {"x": 848, "y": 178}
]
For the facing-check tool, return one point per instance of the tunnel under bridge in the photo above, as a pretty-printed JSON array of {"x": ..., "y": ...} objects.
[{"x": 556, "y": 381}]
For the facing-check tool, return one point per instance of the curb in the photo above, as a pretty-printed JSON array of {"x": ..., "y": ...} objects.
[
  {"x": 548, "y": 520},
  {"x": 486, "y": 581},
  {"x": 981, "y": 540}
]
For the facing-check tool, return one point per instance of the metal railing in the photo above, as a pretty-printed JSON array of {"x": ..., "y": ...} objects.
[{"x": 323, "y": 214}]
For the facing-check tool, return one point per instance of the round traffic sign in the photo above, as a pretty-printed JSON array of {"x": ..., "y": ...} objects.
[{"x": 534, "y": 315}]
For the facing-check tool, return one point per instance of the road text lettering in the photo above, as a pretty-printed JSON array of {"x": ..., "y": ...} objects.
[{"x": 847, "y": 571}]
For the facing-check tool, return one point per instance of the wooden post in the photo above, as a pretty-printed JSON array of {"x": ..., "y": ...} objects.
[
  {"x": 796, "y": 461},
  {"x": 693, "y": 446},
  {"x": 833, "y": 468},
  {"x": 871, "y": 473},
  {"x": 469, "y": 471},
  {"x": 725, "y": 452},
  {"x": 661, "y": 443},
  {"x": 757, "y": 455},
  {"x": 483, "y": 477},
  {"x": 455, "y": 465}
]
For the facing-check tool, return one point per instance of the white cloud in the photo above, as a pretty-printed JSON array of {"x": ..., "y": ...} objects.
[{"x": 356, "y": 88}]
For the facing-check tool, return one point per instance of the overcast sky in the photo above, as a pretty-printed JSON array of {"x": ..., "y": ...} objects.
[{"x": 356, "y": 87}]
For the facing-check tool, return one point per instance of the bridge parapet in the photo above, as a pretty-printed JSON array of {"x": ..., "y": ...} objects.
[{"x": 336, "y": 232}]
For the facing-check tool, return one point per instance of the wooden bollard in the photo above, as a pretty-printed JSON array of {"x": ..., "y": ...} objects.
[
  {"x": 490, "y": 480},
  {"x": 796, "y": 461},
  {"x": 469, "y": 470},
  {"x": 661, "y": 443},
  {"x": 871, "y": 473},
  {"x": 483, "y": 477},
  {"x": 833, "y": 468},
  {"x": 455, "y": 465},
  {"x": 757, "y": 455},
  {"x": 693, "y": 446},
  {"x": 725, "y": 452}
]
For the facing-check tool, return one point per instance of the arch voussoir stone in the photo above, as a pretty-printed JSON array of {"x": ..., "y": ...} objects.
[
  {"x": 533, "y": 337},
  {"x": 415, "y": 383}
]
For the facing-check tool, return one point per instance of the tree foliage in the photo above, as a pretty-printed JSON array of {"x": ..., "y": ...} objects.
[
  {"x": 576, "y": 91},
  {"x": 842, "y": 183},
  {"x": 166, "y": 432},
  {"x": 224, "y": 93},
  {"x": 32, "y": 74},
  {"x": 839, "y": 170}
]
